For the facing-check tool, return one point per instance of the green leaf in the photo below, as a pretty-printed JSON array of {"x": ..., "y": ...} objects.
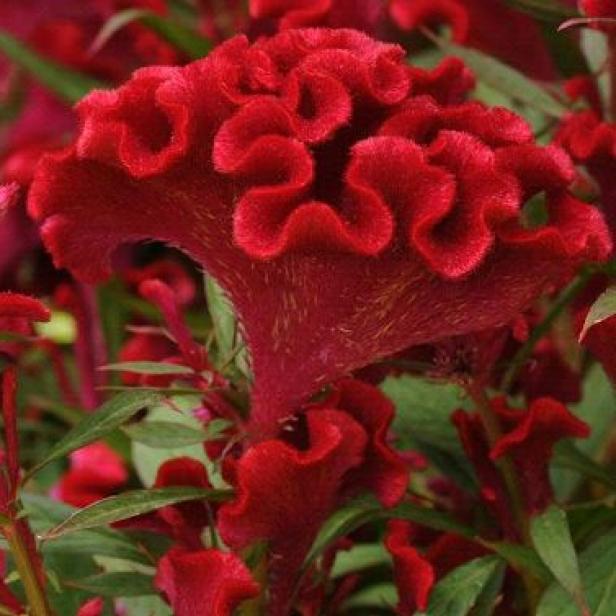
[
  {"x": 599, "y": 579},
  {"x": 460, "y": 590},
  {"x": 506, "y": 79},
  {"x": 603, "y": 308},
  {"x": 147, "y": 367},
  {"x": 130, "y": 504},
  {"x": 341, "y": 523},
  {"x": 365, "y": 510},
  {"x": 168, "y": 435},
  {"x": 438, "y": 520},
  {"x": 598, "y": 410},
  {"x": 66, "y": 83},
  {"x": 100, "y": 423},
  {"x": 147, "y": 460},
  {"x": 359, "y": 557},
  {"x": 552, "y": 11},
  {"x": 179, "y": 36},
  {"x": 567, "y": 455},
  {"x": 521, "y": 558},
  {"x": 121, "y": 584},
  {"x": 552, "y": 539},
  {"x": 423, "y": 422},
  {"x": 380, "y": 596},
  {"x": 484, "y": 606},
  {"x": 223, "y": 318}
]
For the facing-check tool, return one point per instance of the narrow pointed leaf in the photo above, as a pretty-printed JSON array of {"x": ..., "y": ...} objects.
[
  {"x": 505, "y": 79},
  {"x": 170, "y": 435},
  {"x": 66, "y": 83},
  {"x": 552, "y": 539},
  {"x": 116, "y": 584},
  {"x": 147, "y": 367},
  {"x": 176, "y": 34},
  {"x": 603, "y": 308},
  {"x": 100, "y": 423},
  {"x": 599, "y": 578},
  {"x": 130, "y": 504},
  {"x": 459, "y": 591}
]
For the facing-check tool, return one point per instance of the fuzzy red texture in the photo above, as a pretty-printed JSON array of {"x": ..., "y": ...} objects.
[
  {"x": 96, "y": 471},
  {"x": 92, "y": 607},
  {"x": 297, "y": 172},
  {"x": 284, "y": 494},
  {"x": 414, "y": 576},
  {"x": 592, "y": 142},
  {"x": 383, "y": 471},
  {"x": 529, "y": 438},
  {"x": 529, "y": 442},
  {"x": 186, "y": 520},
  {"x": 204, "y": 583}
]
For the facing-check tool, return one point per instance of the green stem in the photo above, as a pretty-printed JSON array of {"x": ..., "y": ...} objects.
[
  {"x": 526, "y": 351},
  {"x": 33, "y": 587},
  {"x": 494, "y": 433}
]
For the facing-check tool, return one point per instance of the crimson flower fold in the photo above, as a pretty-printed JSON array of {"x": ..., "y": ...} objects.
[{"x": 349, "y": 205}]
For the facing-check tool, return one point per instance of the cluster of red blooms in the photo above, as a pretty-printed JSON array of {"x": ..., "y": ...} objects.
[{"x": 368, "y": 219}]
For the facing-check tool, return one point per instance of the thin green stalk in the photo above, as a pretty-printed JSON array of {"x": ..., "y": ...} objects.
[{"x": 35, "y": 593}]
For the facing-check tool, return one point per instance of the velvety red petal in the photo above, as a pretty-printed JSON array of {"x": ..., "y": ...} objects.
[
  {"x": 296, "y": 229},
  {"x": 413, "y": 574},
  {"x": 383, "y": 471},
  {"x": 284, "y": 495},
  {"x": 204, "y": 583},
  {"x": 186, "y": 520},
  {"x": 530, "y": 444},
  {"x": 96, "y": 471}
]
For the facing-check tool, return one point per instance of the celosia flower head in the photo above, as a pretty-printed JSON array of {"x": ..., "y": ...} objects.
[{"x": 349, "y": 205}]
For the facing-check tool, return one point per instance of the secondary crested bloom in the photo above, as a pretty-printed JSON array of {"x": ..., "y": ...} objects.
[
  {"x": 489, "y": 25},
  {"x": 205, "y": 582},
  {"x": 592, "y": 142},
  {"x": 186, "y": 521},
  {"x": 96, "y": 472},
  {"x": 529, "y": 438},
  {"x": 346, "y": 211},
  {"x": 413, "y": 574},
  {"x": 287, "y": 487}
]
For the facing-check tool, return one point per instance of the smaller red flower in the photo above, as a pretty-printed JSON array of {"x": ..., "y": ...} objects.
[
  {"x": 96, "y": 472},
  {"x": 17, "y": 313},
  {"x": 204, "y": 583},
  {"x": 529, "y": 438},
  {"x": 413, "y": 574},
  {"x": 186, "y": 520},
  {"x": 529, "y": 442},
  {"x": 93, "y": 607}
]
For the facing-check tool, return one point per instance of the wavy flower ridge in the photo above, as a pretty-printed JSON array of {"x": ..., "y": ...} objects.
[{"x": 349, "y": 204}]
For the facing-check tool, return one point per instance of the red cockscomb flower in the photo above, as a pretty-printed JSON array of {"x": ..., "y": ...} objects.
[
  {"x": 529, "y": 438},
  {"x": 346, "y": 217},
  {"x": 204, "y": 583},
  {"x": 413, "y": 574},
  {"x": 96, "y": 472},
  {"x": 287, "y": 487}
]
